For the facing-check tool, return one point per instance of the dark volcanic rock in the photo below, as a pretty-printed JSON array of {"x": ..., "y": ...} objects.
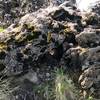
[
  {"x": 89, "y": 79},
  {"x": 46, "y": 39},
  {"x": 12, "y": 10},
  {"x": 89, "y": 37},
  {"x": 35, "y": 42},
  {"x": 32, "y": 33}
]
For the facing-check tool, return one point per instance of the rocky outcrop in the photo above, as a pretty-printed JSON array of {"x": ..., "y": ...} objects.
[
  {"x": 89, "y": 37},
  {"x": 89, "y": 79},
  {"x": 12, "y": 10},
  {"x": 54, "y": 37},
  {"x": 35, "y": 43},
  {"x": 36, "y": 36}
]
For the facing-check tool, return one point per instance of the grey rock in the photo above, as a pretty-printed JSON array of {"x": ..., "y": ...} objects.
[
  {"x": 45, "y": 40},
  {"x": 89, "y": 37}
]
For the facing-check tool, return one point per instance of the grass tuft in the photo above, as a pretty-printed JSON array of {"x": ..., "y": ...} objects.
[{"x": 64, "y": 87}]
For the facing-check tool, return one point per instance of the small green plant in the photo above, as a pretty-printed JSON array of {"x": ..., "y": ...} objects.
[
  {"x": 59, "y": 88},
  {"x": 90, "y": 98},
  {"x": 64, "y": 88},
  {"x": 45, "y": 91}
]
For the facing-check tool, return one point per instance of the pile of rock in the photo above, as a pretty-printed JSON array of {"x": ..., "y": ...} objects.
[
  {"x": 12, "y": 10},
  {"x": 53, "y": 37}
]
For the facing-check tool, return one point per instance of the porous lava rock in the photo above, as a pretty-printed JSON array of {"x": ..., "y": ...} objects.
[
  {"x": 12, "y": 10},
  {"x": 50, "y": 38}
]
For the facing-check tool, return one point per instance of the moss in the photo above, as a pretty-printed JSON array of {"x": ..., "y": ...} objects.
[
  {"x": 19, "y": 38},
  {"x": 48, "y": 37},
  {"x": 67, "y": 30},
  {"x": 30, "y": 34},
  {"x": 17, "y": 29},
  {"x": 1, "y": 29},
  {"x": 3, "y": 46},
  {"x": 31, "y": 28},
  {"x": 90, "y": 98}
]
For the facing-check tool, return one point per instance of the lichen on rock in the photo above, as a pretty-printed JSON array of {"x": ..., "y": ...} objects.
[{"x": 47, "y": 39}]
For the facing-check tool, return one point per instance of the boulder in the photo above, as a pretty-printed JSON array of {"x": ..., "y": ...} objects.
[{"x": 89, "y": 37}]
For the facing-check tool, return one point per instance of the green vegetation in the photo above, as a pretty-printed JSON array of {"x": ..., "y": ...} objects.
[
  {"x": 60, "y": 88},
  {"x": 90, "y": 98},
  {"x": 49, "y": 37},
  {"x": 64, "y": 87},
  {"x": 3, "y": 46},
  {"x": 1, "y": 29}
]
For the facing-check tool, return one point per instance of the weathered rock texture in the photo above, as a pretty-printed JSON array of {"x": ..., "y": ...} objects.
[
  {"x": 49, "y": 38},
  {"x": 12, "y": 10}
]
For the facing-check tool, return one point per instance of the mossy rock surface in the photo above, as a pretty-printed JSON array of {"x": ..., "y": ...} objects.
[
  {"x": 45, "y": 40},
  {"x": 1, "y": 29}
]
